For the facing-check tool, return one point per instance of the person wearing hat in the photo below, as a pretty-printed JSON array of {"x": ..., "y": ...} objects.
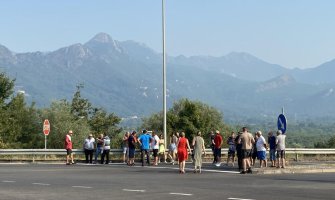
[
  {"x": 89, "y": 148},
  {"x": 217, "y": 147},
  {"x": 68, "y": 148}
]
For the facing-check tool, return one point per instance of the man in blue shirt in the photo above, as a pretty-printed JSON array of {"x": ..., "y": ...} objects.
[
  {"x": 144, "y": 141},
  {"x": 272, "y": 144}
]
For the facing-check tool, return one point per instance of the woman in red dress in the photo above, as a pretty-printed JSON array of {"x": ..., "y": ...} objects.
[{"x": 183, "y": 145}]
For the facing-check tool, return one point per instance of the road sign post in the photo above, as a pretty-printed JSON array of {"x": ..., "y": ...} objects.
[
  {"x": 46, "y": 131},
  {"x": 282, "y": 122}
]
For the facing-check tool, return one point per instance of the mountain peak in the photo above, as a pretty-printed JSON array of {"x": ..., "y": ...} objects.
[
  {"x": 102, "y": 42},
  {"x": 102, "y": 38},
  {"x": 240, "y": 55}
]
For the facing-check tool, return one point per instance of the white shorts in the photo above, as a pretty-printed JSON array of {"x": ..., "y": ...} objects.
[{"x": 125, "y": 150}]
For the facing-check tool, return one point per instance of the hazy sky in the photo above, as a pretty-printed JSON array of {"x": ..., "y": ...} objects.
[{"x": 292, "y": 33}]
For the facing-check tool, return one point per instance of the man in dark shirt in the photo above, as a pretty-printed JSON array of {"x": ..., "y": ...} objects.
[
  {"x": 212, "y": 136},
  {"x": 238, "y": 151},
  {"x": 272, "y": 151}
]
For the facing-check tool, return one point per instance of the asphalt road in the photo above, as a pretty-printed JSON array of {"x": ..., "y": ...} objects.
[{"x": 80, "y": 182}]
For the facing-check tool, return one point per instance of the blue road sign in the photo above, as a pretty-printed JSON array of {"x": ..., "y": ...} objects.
[{"x": 282, "y": 122}]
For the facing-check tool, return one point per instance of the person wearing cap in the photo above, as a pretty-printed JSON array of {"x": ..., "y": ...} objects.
[
  {"x": 280, "y": 142},
  {"x": 217, "y": 147},
  {"x": 89, "y": 148},
  {"x": 68, "y": 148},
  {"x": 106, "y": 149}
]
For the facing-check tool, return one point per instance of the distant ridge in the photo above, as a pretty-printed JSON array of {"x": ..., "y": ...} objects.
[{"x": 125, "y": 77}]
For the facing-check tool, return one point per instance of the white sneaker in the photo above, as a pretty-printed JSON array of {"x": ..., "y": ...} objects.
[{"x": 218, "y": 164}]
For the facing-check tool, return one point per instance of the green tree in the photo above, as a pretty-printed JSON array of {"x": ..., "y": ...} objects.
[
  {"x": 62, "y": 120},
  {"x": 6, "y": 87},
  {"x": 190, "y": 117},
  {"x": 102, "y": 122},
  {"x": 80, "y": 107}
]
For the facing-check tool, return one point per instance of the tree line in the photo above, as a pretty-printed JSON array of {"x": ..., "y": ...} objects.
[{"x": 21, "y": 124}]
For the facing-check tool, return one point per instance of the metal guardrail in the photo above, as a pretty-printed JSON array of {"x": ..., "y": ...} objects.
[{"x": 301, "y": 151}]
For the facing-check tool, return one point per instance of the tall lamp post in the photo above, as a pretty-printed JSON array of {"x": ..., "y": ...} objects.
[{"x": 164, "y": 74}]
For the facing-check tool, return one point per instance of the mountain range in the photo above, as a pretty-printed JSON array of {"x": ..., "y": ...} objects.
[{"x": 125, "y": 77}]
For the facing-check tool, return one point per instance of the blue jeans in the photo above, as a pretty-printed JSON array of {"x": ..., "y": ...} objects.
[
  {"x": 98, "y": 152},
  {"x": 272, "y": 154}
]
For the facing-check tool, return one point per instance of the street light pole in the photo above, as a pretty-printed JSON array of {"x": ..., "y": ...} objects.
[{"x": 164, "y": 74}]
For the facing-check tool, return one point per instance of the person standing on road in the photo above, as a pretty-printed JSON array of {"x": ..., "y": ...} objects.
[
  {"x": 125, "y": 146},
  {"x": 131, "y": 148},
  {"x": 217, "y": 147},
  {"x": 68, "y": 147},
  {"x": 183, "y": 145},
  {"x": 254, "y": 151},
  {"x": 155, "y": 147},
  {"x": 161, "y": 151},
  {"x": 144, "y": 141},
  {"x": 198, "y": 147},
  {"x": 212, "y": 136},
  {"x": 231, "y": 148},
  {"x": 173, "y": 148},
  {"x": 239, "y": 151},
  {"x": 99, "y": 149},
  {"x": 280, "y": 142},
  {"x": 261, "y": 149},
  {"x": 247, "y": 140},
  {"x": 89, "y": 148},
  {"x": 272, "y": 152},
  {"x": 106, "y": 149}
]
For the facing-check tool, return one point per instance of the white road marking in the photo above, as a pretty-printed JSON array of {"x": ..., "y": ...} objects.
[
  {"x": 182, "y": 194},
  {"x": 8, "y": 181},
  {"x": 190, "y": 169},
  {"x": 129, "y": 190},
  {"x": 44, "y": 184},
  {"x": 84, "y": 187},
  {"x": 239, "y": 199}
]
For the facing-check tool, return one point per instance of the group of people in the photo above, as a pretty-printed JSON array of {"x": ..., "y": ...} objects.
[
  {"x": 101, "y": 146},
  {"x": 178, "y": 151},
  {"x": 246, "y": 146}
]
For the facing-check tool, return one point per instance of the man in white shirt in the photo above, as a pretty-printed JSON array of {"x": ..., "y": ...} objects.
[
  {"x": 280, "y": 142},
  {"x": 89, "y": 148},
  {"x": 261, "y": 149}
]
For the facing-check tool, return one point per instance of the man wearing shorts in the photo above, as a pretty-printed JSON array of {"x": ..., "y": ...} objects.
[
  {"x": 68, "y": 148},
  {"x": 261, "y": 149},
  {"x": 155, "y": 147},
  {"x": 231, "y": 148},
  {"x": 125, "y": 146},
  {"x": 280, "y": 141},
  {"x": 247, "y": 140}
]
